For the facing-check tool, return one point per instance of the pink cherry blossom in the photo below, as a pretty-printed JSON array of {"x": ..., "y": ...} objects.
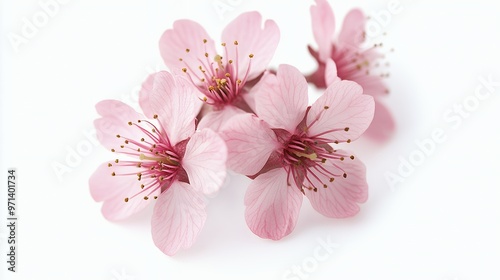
[
  {"x": 221, "y": 77},
  {"x": 344, "y": 58},
  {"x": 287, "y": 150},
  {"x": 167, "y": 161}
]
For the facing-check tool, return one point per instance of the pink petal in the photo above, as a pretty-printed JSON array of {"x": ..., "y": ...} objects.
[
  {"x": 249, "y": 96},
  {"x": 282, "y": 101},
  {"x": 116, "y": 209},
  {"x": 341, "y": 197},
  {"x": 383, "y": 125},
  {"x": 317, "y": 77},
  {"x": 144, "y": 95},
  {"x": 216, "y": 119},
  {"x": 205, "y": 161},
  {"x": 353, "y": 28},
  {"x": 175, "y": 102},
  {"x": 341, "y": 106},
  {"x": 185, "y": 41},
  {"x": 178, "y": 217},
  {"x": 272, "y": 207},
  {"x": 104, "y": 186},
  {"x": 323, "y": 24},
  {"x": 115, "y": 117},
  {"x": 371, "y": 84},
  {"x": 252, "y": 39},
  {"x": 114, "y": 189},
  {"x": 250, "y": 142},
  {"x": 331, "y": 72}
]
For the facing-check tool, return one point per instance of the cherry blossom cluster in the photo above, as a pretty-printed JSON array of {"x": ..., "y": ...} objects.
[{"x": 220, "y": 106}]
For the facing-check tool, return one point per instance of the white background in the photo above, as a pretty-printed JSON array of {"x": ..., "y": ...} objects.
[{"x": 442, "y": 222}]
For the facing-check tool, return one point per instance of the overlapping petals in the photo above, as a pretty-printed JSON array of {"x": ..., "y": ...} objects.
[
  {"x": 168, "y": 161},
  {"x": 295, "y": 141},
  {"x": 220, "y": 106},
  {"x": 344, "y": 58},
  {"x": 221, "y": 76}
]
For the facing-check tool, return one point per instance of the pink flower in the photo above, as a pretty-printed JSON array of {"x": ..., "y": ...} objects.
[
  {"x": 221, "y": 76},
  {"x": 288, "y": 151},
  {"x": 345, "y": 59},
  {"x": 168, "y": 162}
]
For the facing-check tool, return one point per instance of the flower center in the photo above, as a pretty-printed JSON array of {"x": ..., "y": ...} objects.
[
  {"x": 156, "y": 160},
  {"x": 310, "y": 160},
  {"x": 219, "y": 79},
  {"x": 304, "y": 159}
]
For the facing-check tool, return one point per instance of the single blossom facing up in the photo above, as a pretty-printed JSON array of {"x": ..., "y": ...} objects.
[
  {"x": 221, "y": 77},
  {"x": 168, "y": 162},
  {"x": 345, "y": 58},
  {"x": 288, "y": 152}
]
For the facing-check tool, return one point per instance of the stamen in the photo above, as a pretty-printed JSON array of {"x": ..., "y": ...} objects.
[{"x": 312, "y": 156}]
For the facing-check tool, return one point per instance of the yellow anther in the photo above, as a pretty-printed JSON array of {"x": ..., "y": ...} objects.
[{"x": 312, "y": 156}]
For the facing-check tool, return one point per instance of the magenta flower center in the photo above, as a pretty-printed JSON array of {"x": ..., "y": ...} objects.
[
  {"x": 217, "y": 77},
  {"x": 158, "y": 163},
  {"x": 304, "y": 156}
]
